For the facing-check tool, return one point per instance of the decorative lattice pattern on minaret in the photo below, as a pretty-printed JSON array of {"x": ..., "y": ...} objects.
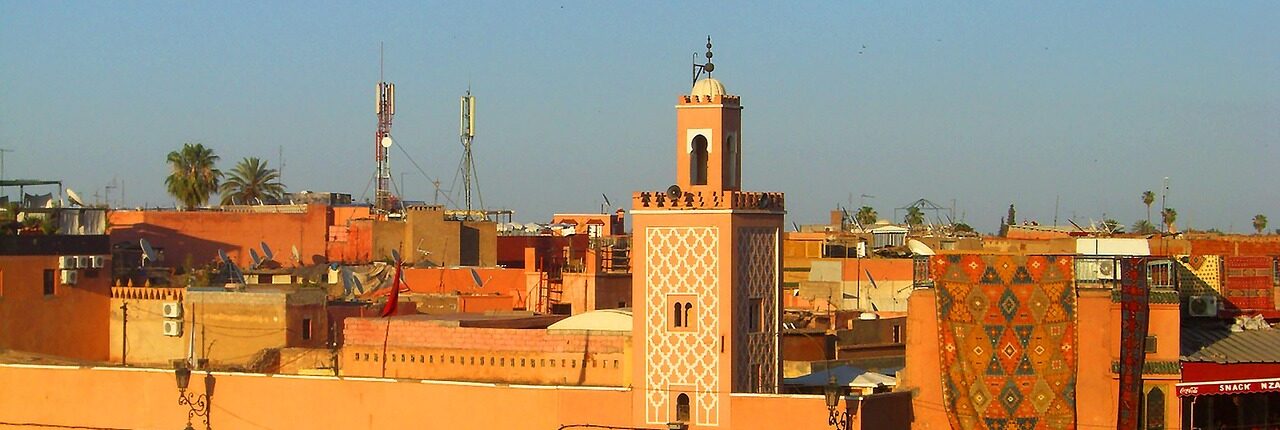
[
  {"x": 756, "y": 370},
  {"x": 682, "y": 260}
]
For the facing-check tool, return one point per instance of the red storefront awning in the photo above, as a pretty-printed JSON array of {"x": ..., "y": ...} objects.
[{"x": 1236, "y": 386}]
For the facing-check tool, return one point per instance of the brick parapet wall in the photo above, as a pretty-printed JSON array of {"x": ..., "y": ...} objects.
[{"x": 438, "y": 335}]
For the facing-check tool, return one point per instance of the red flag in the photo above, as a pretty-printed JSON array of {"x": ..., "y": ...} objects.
[{"x": 393, "y": 300}]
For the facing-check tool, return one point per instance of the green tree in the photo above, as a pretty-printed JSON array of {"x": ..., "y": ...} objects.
[
  {"x": 1168, "y": 216},
  {"x": 1259, "y": 223},
  {"x": 866, "y": 215},
  {"x": 252, "y": 181},
  {"x": 914, "y": 217},
  {"x": 1143, "y": 227},
  {"x": 1148, "y": 198},
  {"x": 193, "y": 175},
  {"x": 962, "y": 228},
  {"x": 1113, "y": 226}
]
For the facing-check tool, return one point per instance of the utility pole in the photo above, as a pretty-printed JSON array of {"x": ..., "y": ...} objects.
[{"x": 124, "y": 333}]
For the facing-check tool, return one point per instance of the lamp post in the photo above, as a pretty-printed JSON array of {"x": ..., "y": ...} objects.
[
  {"x": 198, "y": 404},
  {"x": 836, "y": 419}
]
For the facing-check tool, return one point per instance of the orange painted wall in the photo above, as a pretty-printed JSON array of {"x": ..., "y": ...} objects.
[
  {"x": 921, "y": 375},
  {"x": 501, "y": 281},
  {"x": 200, "y": 234},
  {"x": 71, "y": 323},
  {"x": 82, "y": 397}
]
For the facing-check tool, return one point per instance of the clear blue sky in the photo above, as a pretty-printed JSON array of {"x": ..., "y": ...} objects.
[{"x": 987, "y": 105}]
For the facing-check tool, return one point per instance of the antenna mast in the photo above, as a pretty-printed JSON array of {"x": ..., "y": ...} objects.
[
  {"x": 467, "y": 131},
  {"x": 386, "y": 109}
]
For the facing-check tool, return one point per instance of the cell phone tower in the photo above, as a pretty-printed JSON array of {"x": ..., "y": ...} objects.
[
  {"x": 386, "y": 109},
  {"x": 467, "y": 131}
]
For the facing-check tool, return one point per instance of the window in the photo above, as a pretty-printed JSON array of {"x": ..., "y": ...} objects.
[
  {"x": 682, "y": 407},
  {"x": 755, "y": 316},
  {"x": 1149, "y": 345},
  {"x": 731, "y": 161},
  {"x": 306, "y": 329},
  {"x": 698, "y": 160},
  {"x": 897, "y": 333},
  {"x": 682, "y": 314},
  {"x": 50, "y": 276}
]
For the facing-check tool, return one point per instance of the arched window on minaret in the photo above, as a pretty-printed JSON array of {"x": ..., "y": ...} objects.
[
  {"x": 731, "y": 161},
  {"x": 687, "y": 308},
  {"x": 676, "y": 315},
  {"x": 682, "y": 407},
  {"x": 699, "y": 160}
]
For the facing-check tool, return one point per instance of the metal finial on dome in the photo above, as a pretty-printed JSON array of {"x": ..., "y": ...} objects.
[{"x": 708, "y": 67}]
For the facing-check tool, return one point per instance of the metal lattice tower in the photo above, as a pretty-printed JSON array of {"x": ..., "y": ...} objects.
[{"x": 386, "y": 109}]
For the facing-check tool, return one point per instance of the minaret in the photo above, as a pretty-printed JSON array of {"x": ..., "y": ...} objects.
[{"x": 706, "y": 272}]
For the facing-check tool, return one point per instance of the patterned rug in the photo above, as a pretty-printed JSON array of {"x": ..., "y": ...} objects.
[
  {"x": 1134, "y": 316},
  {"x": 1007, "y": 332}
]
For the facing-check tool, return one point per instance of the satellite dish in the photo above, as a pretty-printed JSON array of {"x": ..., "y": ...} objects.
[
  {"x": 919, "y": 248},
  {"x": 475, "y": 276},
  {"x": 673, "y": 192},
  {"x": 233, "y": 272},
  {"x": 386, "y": 141},
  {"x": 350, "y": 282},
  {"x": 297, "y": 257},
  {"x": 148, "y": 253},
  {"x": 257, "y": 261},
  {"x": 765, "y": 201},
  {"x": 266, "y": 252},
  {"x": 395, "y": 256},
  {"x": 74, "y": 198}
]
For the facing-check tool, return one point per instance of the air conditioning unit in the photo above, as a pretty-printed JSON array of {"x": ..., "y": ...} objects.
[
  {"x": 68, "y": 262},
  {"x": 97, "y": 261},
  {"x": 173, "y": 328},
  {"x": 83, "y": 261},
  {"x": 1107, "y": 269},
  {"x": 171, "y": 309},
  {"x": 70, "y": 277},
  {"x": 1202, "y": 306}
]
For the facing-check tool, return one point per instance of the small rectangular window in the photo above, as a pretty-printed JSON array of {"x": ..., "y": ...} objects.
[
  {"x": 306, "y": 329},
  {"x": 50, "y": 279},
  {"x": 1149, "y": 345},
  {"x": 897, "y": 333},
  {"x": 755, "y": 316}
]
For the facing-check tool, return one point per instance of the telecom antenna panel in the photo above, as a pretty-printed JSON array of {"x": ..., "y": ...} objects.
[
  {"x": 467, "y": 131},
  {"x": 386, "y": 109}
]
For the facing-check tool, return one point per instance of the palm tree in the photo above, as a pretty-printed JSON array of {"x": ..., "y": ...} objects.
[
  {"x": 866, "y": 215},
  {"x": 1143, "y": 227},
  {"x": 1169, "y": 216},
  {"x": 192, "y": 176},
  {"x": 914, "y": 216},
  {"x": 1259, "y": 223},
  {"x": 251, "y": 181},
  {"x": 1148, "y": 198}
]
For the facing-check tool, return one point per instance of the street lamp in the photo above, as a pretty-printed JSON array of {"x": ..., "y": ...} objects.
[
  {"x": 836, "y": 419},
  {"x": 198, "y": 404}
]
